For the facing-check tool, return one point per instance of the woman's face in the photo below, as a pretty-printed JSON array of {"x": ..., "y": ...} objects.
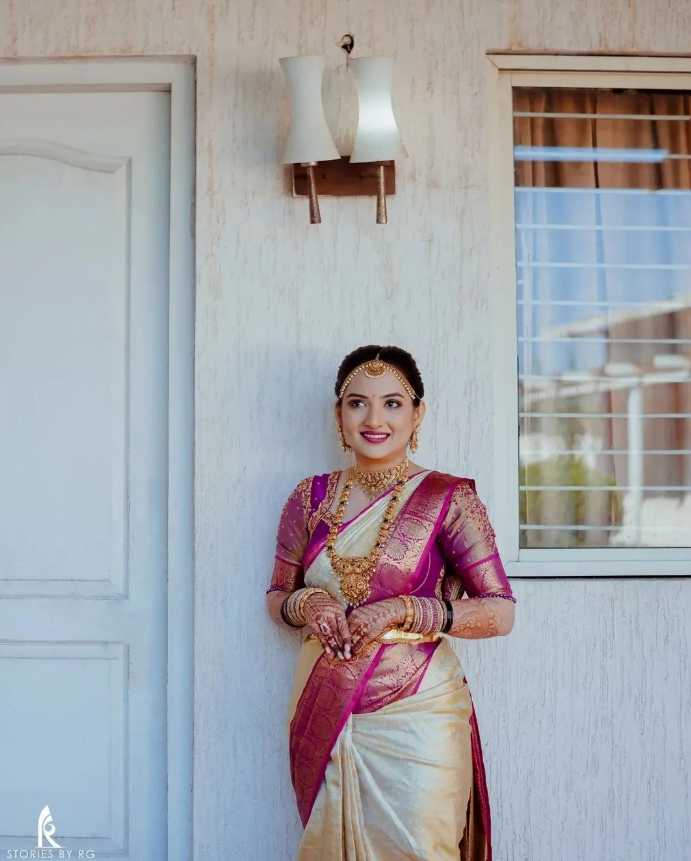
[{"x": 378, "y": 418}]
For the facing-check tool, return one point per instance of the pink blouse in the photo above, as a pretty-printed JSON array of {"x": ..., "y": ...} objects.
[{"x": 462, "y": 558}]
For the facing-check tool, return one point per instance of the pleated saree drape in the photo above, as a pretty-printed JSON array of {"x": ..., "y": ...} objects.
[{"x": 398, "y": 780}]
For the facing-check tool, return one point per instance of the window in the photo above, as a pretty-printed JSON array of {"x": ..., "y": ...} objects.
[{"x": 600, "y": 273}]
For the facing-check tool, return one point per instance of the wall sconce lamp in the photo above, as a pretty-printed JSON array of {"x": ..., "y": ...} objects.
[
  {"x": 377, "y": 139},
  {"x": 309, "y": 139},
  {"x": 370, "y": 170}
]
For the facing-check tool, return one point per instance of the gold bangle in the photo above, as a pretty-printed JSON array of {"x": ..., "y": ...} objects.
[
  {"x": 444, "y": 617},
  {"x": 289, "y": 610},
  {"x": 417, "y": 618},
  {"x": 409, "y": 611},
  {"x": 307, "y": 593}
]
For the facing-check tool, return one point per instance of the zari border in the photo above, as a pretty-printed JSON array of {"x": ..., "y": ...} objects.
[
  {"x": 325, "y": 704},
  {"x": 413, "y": 530},
  {"x": 305, "y": 488},
  {"x": 321, "y": 512},
  {"x": 481, "y": 848}
]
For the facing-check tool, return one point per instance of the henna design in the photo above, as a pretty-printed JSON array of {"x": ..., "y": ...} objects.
[
  {"x": 326, "y": 618},
  {"x": 475, "y": 619},
  {"x": 370, "y": 621}
]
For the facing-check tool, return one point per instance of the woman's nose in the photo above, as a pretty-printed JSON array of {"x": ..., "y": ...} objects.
[{"x": 373, "y": 418}]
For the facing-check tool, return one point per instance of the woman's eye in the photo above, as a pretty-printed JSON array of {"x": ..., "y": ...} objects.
[{"x": 356, "y": 402}]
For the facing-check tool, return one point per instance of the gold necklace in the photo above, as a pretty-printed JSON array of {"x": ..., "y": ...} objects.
[
  {"x": 354, "y": 572},
  {"x": 375, "y": 483}
]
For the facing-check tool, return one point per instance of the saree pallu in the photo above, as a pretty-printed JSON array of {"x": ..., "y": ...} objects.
[{"x": 385, "y": 752}]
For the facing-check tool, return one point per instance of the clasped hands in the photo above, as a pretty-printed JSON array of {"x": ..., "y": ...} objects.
[{"x": 343, "y": 637}]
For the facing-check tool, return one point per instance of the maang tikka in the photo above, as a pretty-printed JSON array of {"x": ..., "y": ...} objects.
[{"x": 375, "y": 369}]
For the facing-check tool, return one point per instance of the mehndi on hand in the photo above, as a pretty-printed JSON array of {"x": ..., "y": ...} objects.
[
  {"x": 326, "y": 618},
  {"x": 370, "y": 621}
]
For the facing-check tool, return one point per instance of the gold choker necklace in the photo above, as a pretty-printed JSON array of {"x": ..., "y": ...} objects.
[{"x": 375, "y": 483}]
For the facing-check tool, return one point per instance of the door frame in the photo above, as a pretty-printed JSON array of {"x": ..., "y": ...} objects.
[{"x": 175, "y": 75}]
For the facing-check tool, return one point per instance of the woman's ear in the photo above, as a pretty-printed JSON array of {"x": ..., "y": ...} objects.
[{"x": 420, "y": 411}]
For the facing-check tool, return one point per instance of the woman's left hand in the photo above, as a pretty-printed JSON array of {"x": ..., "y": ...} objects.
[{"x": 370, "y": 621}]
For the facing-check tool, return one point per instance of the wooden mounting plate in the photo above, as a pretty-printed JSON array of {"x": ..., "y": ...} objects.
[{"x": 344, "y": 179}]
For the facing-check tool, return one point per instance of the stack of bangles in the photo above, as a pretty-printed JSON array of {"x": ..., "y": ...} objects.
[
  {"x": 423, "y": 615},
  {"x": 292, "y": 609},
  {"x": 427, "y": 615}
]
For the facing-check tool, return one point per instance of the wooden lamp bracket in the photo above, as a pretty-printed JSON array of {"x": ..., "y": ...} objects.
[{"x": 344, "y": 179}]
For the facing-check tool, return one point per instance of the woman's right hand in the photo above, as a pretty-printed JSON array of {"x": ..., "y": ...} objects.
[{"x": 327, "y": 620}]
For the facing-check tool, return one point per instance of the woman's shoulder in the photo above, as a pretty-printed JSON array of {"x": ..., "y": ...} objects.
[
  {"x": 302, "y": 487},
  {"x": 298, "y": 499},
  {"x": 313, "y": 490},
  {"x": 319, "y": 478},
  {"x": 463, "y": 502},
  {"x": 452, "y": 481},
  {"x": 321, "y": 483}
]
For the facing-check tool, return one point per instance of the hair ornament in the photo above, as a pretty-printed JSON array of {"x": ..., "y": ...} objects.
[{"x": 375, "y": 369}]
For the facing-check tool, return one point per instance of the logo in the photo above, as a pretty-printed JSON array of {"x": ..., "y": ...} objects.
[
  {"x": 50, "y": 848},
  {"x": 46, "y": 828}
]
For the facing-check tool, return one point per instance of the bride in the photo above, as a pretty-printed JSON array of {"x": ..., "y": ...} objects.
[{"x": 379, "y": 566}]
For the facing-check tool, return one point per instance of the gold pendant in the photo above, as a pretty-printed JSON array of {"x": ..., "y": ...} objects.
[{"x": 355, "y": 587}]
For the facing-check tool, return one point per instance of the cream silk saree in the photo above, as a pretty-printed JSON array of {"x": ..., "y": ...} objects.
[{"x": 385, "y": 751}]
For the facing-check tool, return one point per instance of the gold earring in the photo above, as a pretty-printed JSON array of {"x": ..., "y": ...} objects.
[
  {"x": 413, "y": 441},
  {"x": 344, "y": 444}
]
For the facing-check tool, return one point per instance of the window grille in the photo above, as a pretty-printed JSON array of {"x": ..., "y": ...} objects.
[{"x": 603, "y": 268}]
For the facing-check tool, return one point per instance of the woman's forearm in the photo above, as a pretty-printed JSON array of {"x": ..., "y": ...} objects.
[
  {"x": 273, "y": 605},
  {"x": 473, "y": 618},
  {"x": 479, "y": 618}
]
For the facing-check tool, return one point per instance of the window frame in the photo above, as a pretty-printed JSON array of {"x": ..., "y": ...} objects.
[{"x": 504, "y": 72}]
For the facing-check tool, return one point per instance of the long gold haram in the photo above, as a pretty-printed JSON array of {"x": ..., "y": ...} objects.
[{"x": 355, "y": 572}]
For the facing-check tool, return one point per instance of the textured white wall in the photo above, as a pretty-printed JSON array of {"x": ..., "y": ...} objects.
[{"x": 584, "y": 708}]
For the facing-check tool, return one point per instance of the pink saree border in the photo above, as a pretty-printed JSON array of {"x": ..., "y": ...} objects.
[
  {"x": 343, "y": 685},
  {"x": 480, "y": 778},
  {"x": 416, "y": 688},
  {"x": 339, "y": 727},
  {"x": 413, "y": 531},
  {"x": 433, "y": 537}
]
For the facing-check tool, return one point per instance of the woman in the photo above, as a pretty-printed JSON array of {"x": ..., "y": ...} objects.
[{"x": 371, "y": 564}]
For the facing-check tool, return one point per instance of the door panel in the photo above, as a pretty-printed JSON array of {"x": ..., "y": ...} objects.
[
  {"x": 84, "y": 186},
  {"x": 63, "y": 347}
]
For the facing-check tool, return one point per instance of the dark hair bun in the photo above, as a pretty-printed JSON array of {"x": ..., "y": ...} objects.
[{"x": 395, "y": 356}]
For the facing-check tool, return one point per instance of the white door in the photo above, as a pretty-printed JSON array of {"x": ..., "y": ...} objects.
[{"x": 84, "y": 219}]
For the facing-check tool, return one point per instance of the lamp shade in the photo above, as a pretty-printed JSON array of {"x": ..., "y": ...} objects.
[
  {"x": 377, "y": 137},
  {"x": 309, "y": 139}
]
